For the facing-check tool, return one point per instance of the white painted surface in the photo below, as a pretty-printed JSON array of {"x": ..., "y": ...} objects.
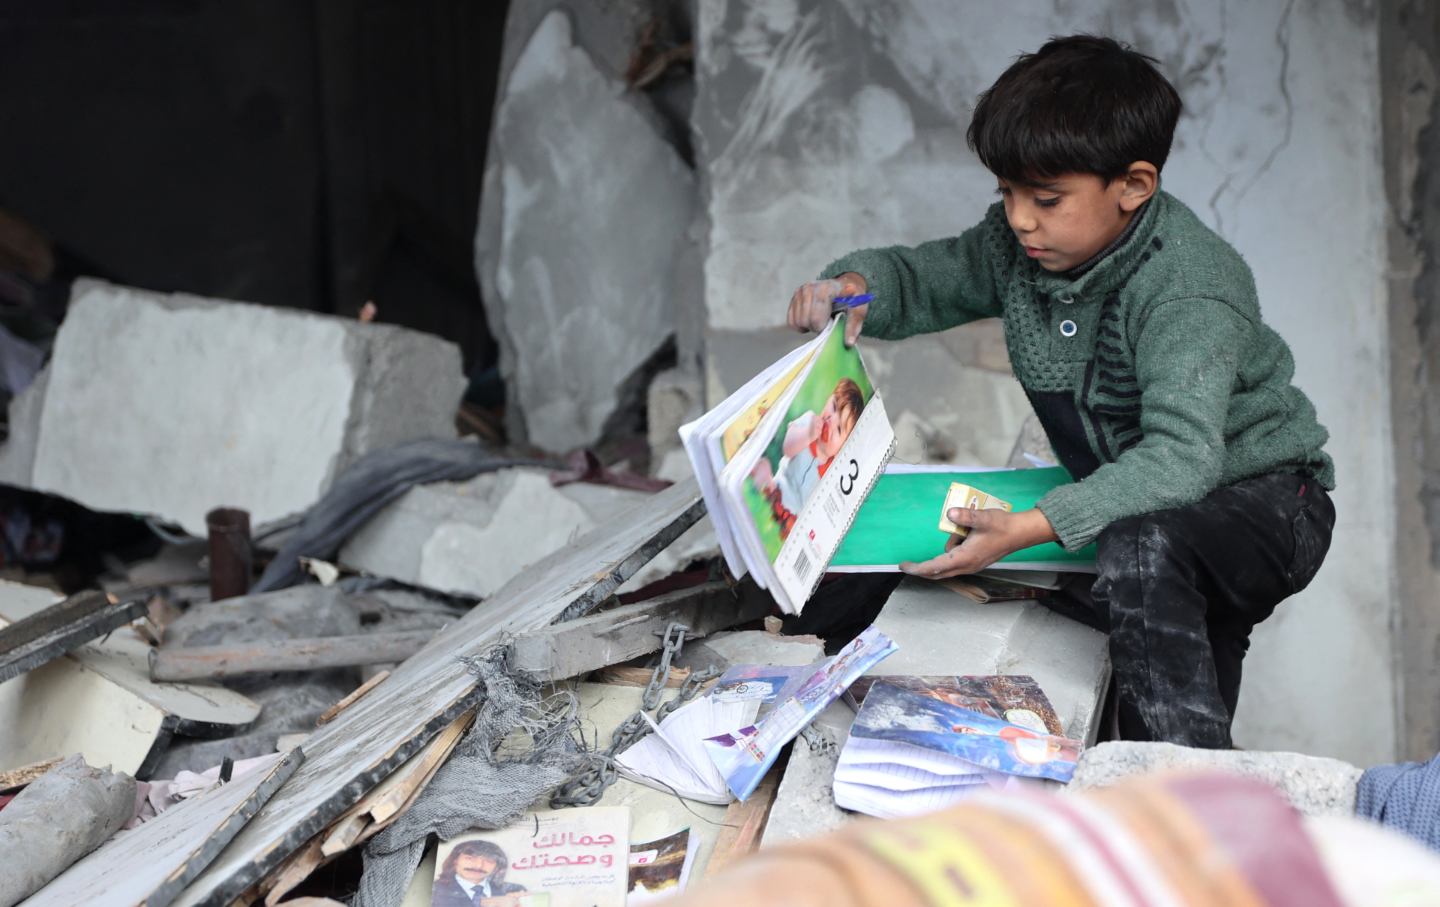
[
  {"x": 1278, "y": 150},
  {"x": 65, "y": 707},
  {"x": 175, "y": 404}
]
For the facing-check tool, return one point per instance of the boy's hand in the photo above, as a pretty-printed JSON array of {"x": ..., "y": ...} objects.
[
  {"x": 812, "y": 304},
  {"x": 993, "y": 535}
]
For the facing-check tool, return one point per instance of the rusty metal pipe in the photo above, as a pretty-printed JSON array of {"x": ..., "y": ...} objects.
[{"x": 231, "y": 558}]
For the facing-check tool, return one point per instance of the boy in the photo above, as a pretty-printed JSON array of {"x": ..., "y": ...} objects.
[{"x": 1136, "y": 333}]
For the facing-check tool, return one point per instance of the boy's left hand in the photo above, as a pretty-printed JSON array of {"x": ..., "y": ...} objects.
[{"x": 993, "y": 535}]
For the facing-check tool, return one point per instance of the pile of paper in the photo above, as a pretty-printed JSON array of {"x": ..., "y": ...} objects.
[{"x": 785, "y": 462}]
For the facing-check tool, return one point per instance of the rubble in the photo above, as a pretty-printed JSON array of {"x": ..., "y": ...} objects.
[
  {"x": 471, "y": 538},
  {"x": 271, "y": 406},
  {"x": 152, "y": 864},
  {"x": 1316, "y": 786},
  {"x": 59, "y": 818},
  {"x": 99, "y": 700},
  {"x": 574, "y": 158}
]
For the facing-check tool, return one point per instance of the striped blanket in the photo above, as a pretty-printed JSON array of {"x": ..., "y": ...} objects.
[{"x": 1165, "y": 841}]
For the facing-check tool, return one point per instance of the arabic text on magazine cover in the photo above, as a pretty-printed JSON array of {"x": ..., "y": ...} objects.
[
  {"x": 828, "y": 449},
  {"x": 570, "y": 858},
  {"x": 744, "y": 755},
  {"x": 900, "y": 716}
]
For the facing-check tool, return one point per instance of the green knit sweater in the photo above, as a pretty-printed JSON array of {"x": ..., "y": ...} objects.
[{"x": 1174, "y": 385}]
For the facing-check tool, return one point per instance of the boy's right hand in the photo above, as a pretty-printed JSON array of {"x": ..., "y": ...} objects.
[{"x": 812, "y": 305}]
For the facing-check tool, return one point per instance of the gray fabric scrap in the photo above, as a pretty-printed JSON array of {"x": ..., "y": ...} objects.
[{"x": 520, "y": 747}]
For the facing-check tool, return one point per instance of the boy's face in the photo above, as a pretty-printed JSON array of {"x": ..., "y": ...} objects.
[{"x": 1065, "y": 221}]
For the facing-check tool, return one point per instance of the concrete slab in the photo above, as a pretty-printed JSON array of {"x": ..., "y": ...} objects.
[
  {"x": 673, "y": 398},
  {"x": 586, "y": 207},
  {"x": 470, "y": 538},
  {"x": 750, "y": 647},
  {"x": 1314, "y": 785},
  {"x": 174, "y": 404},
  {"x": 17, "y": 454}
]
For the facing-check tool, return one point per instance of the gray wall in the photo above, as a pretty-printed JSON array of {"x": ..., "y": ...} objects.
[{"x": 823, "y": 126}]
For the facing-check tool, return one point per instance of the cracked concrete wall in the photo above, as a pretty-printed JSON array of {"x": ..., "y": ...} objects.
[
  {"x": 1409, "y": 67},
  {"x": 824, "y": 126}
]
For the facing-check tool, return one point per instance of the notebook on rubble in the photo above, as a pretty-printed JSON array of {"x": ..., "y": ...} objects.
[
  {"x": 785, "y": 462},
  {"x": 912, "y": 752}
]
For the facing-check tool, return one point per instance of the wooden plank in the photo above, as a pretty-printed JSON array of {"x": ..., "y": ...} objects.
[
  {"x": 744, "y": 823},
  {"x": 577, "y": 647},
  {"x": 391, "y": 796},
  {"x": 350, "y": 755},
  {"x": 19, "y": 777},
  {"x": 215, "y": 662},
  {"x": 151, "y": 864},
  {"x": 46, "y": 635},
  {"x": 192, "y": 709},
  {"x": 329, "y": 714},
  {"x": 627, "y": 676}
]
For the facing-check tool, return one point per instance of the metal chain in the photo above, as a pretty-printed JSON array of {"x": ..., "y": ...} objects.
[{"x": 589, "y": 785}]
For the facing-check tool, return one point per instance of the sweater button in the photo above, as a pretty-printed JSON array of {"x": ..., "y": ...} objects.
[
  {"x": 1068, "y": 328},
  {"x": 1065, "y": 300}
]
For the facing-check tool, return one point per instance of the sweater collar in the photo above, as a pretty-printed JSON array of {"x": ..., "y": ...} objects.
[{"x": 1112, "y": 266}]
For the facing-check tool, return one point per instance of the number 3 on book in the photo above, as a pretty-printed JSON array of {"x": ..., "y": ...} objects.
[{"x": 847, "y": 483}]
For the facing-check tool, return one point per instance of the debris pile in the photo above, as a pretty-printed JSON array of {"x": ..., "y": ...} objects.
[{"x": 400, "y": 640}]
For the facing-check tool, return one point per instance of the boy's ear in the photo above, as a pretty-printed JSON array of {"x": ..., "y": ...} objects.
[{"x": 1139, "y": 183}]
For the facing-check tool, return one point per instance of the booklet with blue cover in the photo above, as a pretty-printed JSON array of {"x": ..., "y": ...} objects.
[{"x": 743, "y": 755}]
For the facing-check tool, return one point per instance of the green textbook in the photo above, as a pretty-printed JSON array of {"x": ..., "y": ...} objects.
[{"x": 899, "y": 519}]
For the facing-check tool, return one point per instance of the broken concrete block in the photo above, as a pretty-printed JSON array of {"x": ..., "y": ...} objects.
[
  {"x": 295, "y": 613},
  {"x": 674, "y": 398},
  {"x": 1316, "y": 786},
  {"x": 586, "y": 206},
  {"x": 805, "y": 802},
  {"x": 752, "y": 647},
  {"x": 470, "y": 538},
  {"x": 17, "y": 454},
  {"x": 174, "y": 404},
  {"x": 63, "y": 815}
]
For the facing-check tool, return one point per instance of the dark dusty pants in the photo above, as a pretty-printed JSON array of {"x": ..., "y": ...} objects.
[{"x": 1180, "y": 590}]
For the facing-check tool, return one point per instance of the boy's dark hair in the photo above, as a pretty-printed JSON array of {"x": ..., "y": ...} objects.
[{"x": 1082, "y": 104}]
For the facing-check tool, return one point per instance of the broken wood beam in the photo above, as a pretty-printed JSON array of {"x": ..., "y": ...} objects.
[
  {"x": 32, "y": 641},
  {"x": 214, "y": 662},
  {"x": 329, "y": 714},
  {"x": 577, "y": 647},
  {"x": 368, "y": 741}
]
